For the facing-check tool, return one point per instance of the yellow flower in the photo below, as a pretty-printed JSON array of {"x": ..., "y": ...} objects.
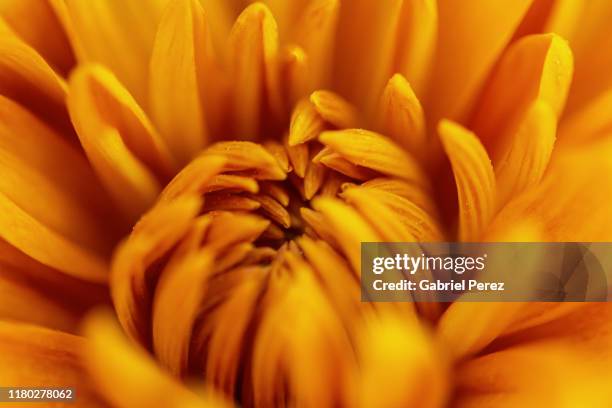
[{"x": 209, "y": 169}]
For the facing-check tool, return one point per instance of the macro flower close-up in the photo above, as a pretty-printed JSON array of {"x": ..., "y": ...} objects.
[{"x": 185, "y": 187}]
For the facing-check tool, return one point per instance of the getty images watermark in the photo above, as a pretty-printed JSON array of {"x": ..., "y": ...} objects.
[{"x": 486, "y": 272}]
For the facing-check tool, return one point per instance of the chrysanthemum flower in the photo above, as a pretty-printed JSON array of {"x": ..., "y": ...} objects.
[{"x": 210, "y": 168}]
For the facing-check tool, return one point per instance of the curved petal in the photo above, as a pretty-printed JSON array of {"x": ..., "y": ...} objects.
[
  {"x": 122, "y": 145},
  {"x": 36, "y": 162},
  {"x": 474, "y": 177},
  {"x": 567, "y": 205},
  {"x": 535, "y": 67},
  {"x": 472, "y": 35},
  {"x": 527, "y": 157},
  {"x": 179, "y": 70},
  {"x": 128, "y": 377},
  {"x": 32, "y": 356},
  {"x": 26, "y": 78},
  {"x": 35, "y": 23},
  {"x": 253, "y": 49},
  {"x": 118, "y": 34}
]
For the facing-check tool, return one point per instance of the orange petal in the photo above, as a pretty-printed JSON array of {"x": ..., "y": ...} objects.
[
  {"x": 567, "y": 204},
  {"x": 348, "y": 227},
  {"x": 29, "y": 81},
  {"x": 154, "y": 235},
  {"x": 75, "y": 204},
  {"x": 119, "y": 140},
  {"x": 535, "y": 67},
  {"x": 527, "y": 157},
  {"x": 249, "y": 159},
  {"x": 315, "y": 33},
  {"x": 128, "y": 377},
  {"x": 35, "y": 23},
  {"x": 178, "y": 71},
  {"x": 472, "y": 35},
  {"x": 128, "y": 31},
  {"x": 33, "y": 356},
  {"x": 401, "y": 115},
  {"x": 474, "y": 178},
  {"x": 374, "y": 151},
  {"x": 589, "y": 123},
  {"x": 253, "y": 48}
]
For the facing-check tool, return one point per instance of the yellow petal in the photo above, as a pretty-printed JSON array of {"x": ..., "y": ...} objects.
[
  {"x": 253, "y": 48},
  {"x": 474, "y": 178},
  {"x": 313, "y": 179},
  {"x": 399, "y": 35},
  {"x": 414, "y": 223},
  {"x": 181, "y": 286},
  {"x": 294, "y": 67},
  {"x": 249, "y": 159},
  {"x": 334, "y": 109},
  {"x": 409, "y": 191},
  {"x": 154, "y": 235},
  {"x": 23, "y": 302},
  {"x": 527, "y": 157},
  {"x": 374, "y": 151},
  {"x": 127, "y": 377},
  {"x": 279, "y": 152},
  {"x": 348, "y": 226},
  {"x": 315, "y": 33},
  {"x": 74, "y": 204},
  {"x": 195, "y": 178},
  {"x": 48, "y": 247},
  {"x": 589, "y": 123},
  {"x": 32, "y": 356},
  {"x": 35, "y": 23},
  {"x": 401, "y": 115},
  {"x": 467, "y": 327},
  {"x": 29, "y": 81},
  {"x": 178, "y": 70},
  {"x": 118, "y": 34},
  {"x": 535, "y": 67},
  {"x": 567, "y": 204},
  {"x": 472, "y": 35},
  {"x": 416, "y": 42},
  {"x": 273, "y": 209},
  {"x": 593, "y": 34},
  {"x": 534, "y": 375},
  {"x": 379, "y": 216},
  {"x": 126, "y": 152},
  {"x": 298, "y": 155},
  {"x": 306, "y": 123},
  {"x": 395, "y": 350}
]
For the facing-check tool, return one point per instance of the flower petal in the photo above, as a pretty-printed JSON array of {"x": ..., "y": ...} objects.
[
  {"x": 26, "y": 78},
  {"x": 75, "y": 204},
  {"x": 401, "y": 115},
  {"x": 128, "y": 377},
  {"x": 35, "y": 23},
  {"x": 535, "y": 67},
  {"x": 396, "y": 354},
  {"x": 315, "y": 33},
  {"x": 253, "y": 48},
  {"x": 527, "y": 157},
  {"x": 348, "y": 227},
  {"x": 474, "y": 178},
  {"x": 118, "y": 34},
  {"x": 154, "y": 235},
  {"x": 467, "y": 327},
  {"x": 178, "y": 72},
  {"x": 33, "y": 356},
  {"x": 48, "y": 247},
  {"x": 566, "y": 205},
  {"x": 472, "y": 35},
  {"x": 374, "y": 151},
  {"x": 128, "y": 155},
  {"x": 589, "y": 123}
]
